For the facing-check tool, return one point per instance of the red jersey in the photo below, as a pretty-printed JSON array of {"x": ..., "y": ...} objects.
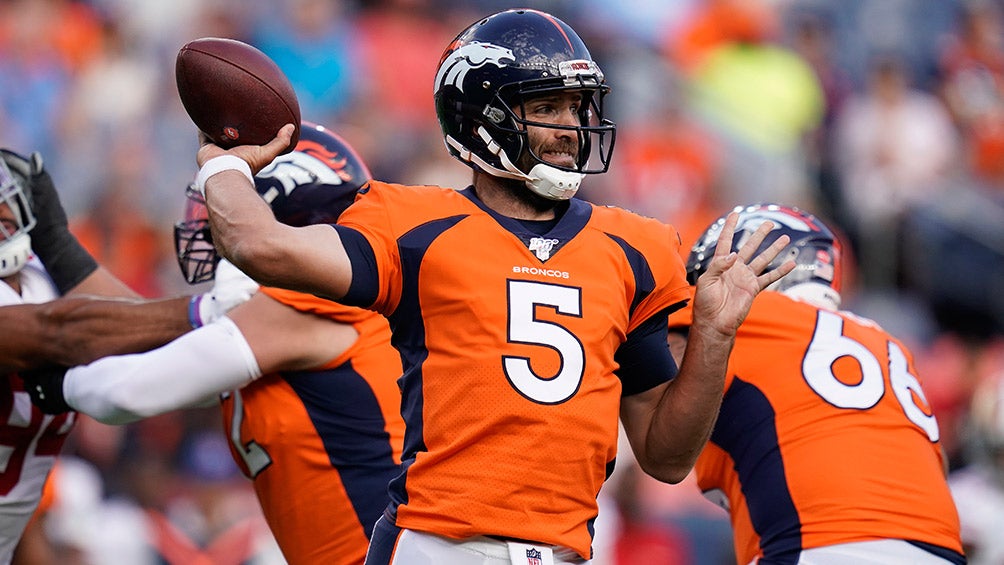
[
  {"x": 508, "y": 340},
  {"x": 824, "y": 437},
  {"x": 322, "y": 445}
]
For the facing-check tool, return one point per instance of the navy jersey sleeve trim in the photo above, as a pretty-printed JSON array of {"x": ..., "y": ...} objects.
[
  {"x": 365, "y": 281},
  {"x": 644, "y": 357},
  {"x": 644, "y": 279}
]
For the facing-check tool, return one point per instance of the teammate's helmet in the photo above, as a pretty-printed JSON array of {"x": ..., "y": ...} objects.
[
  {"x": 497, "y": 64},
  {"x": 15, "y": 248},
  {"x": 313, "y": 184},
  {"x": 813, "y": 247}
]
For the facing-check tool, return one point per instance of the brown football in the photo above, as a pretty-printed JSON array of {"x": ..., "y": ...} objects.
[{"x": 234, "y": 93}]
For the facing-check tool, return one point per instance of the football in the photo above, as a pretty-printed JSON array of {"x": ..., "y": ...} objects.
[{"x": 234, "y": 93}]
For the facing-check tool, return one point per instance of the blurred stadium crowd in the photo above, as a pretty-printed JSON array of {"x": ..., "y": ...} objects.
[{"x": 885, "y": 117}]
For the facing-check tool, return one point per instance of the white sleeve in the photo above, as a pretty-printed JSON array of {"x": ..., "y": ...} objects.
[{"x": 125, "y": 388}]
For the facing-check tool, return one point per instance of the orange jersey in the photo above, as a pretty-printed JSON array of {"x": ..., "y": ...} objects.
[
  {"x": 824, "y": 437},
  {"x": 322, "y": 445},
  {"x": 508, "y": 341}
]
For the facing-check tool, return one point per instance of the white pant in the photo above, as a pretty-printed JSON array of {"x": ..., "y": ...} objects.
[
  {"x": 419, "y": 548},
  {"x": 879, "y": 552}
]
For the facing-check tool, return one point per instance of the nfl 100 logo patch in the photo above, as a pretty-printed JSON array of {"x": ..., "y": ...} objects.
[{"x": 542, "y": 246}]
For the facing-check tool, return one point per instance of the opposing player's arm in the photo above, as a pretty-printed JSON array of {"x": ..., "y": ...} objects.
[
  {"x": 77, "y": 330},
  {"x": 308, "y": 259},
  {"x": 101, "y": 282},
  {"x": 263, "y": 336}
]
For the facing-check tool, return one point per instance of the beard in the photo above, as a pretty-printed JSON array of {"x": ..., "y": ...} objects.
[
  {"x": 525, "y": 163},
  {"x": 521, "y": 192},
  {"x": 536, "y": 201}
]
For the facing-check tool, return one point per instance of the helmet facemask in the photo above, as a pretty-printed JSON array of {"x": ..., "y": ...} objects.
[
  {"x": 193, "y": 241},
  {"x": 504, "y": 131},
  {"x": 489, "y": 73},
  {"x": 15, "y": 247}
]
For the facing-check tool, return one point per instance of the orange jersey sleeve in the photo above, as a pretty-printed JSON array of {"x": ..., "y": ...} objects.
[
  {"x": 321, "y": 446},
  {"x": 824, "y": 437},
  {"x": 508, "y": 339}
]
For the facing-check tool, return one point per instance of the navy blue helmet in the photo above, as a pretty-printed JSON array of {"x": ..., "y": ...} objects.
[{"x": 313, "y": 184}]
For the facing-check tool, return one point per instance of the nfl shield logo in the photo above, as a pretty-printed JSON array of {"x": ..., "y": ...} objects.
[
  {"x": 542, "y": 246},
  {"x": 532, "y": 557}
]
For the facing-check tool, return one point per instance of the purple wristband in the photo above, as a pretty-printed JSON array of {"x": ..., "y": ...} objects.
[{"x": 193, "y": 311}]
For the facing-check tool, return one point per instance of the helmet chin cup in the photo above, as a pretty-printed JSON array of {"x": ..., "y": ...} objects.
[
  {"x": 552, "y": 183},
  {"x": 543, "y": 179},
  {"x": 14, "y": 254}
]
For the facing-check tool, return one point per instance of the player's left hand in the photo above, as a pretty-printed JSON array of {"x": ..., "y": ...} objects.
[{"x": 726, "y": 291}]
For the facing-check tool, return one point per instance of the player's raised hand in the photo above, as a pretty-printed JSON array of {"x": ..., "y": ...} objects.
[
  {"x": 725, "y": 292},
  {"x": 257, "y": 156}
]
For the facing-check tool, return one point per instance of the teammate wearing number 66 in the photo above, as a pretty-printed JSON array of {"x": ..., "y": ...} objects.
[{"x": 825, "y": 450}]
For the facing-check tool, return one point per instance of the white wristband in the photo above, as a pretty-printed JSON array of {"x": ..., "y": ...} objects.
[{"x": 218, "y": 165}]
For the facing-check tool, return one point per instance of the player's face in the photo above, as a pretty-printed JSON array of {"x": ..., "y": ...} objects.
[
  {"x": 552, "y": 145},
  {"x": 8, "y": 220}
]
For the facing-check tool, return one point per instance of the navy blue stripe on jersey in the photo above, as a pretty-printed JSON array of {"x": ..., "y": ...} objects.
[
  {"x": 539, "y": 227},
  {"x": 364, "y": 287},
  {"x": 644, "y": 358},
  {"x": 591, "y": 523},
  {"x": 573, "y": 220},
  {"x": 383, "y": 542},
  {"x": 408, "y": 337},
  {"x": 347, "y": 416},
  {"x": 644, "y": 280},
  {"x": 746, "y": 413},
  {"x": 573, "y": 215}
]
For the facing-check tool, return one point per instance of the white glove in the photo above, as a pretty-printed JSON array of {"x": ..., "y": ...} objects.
[{"x": 231, "y": 287}]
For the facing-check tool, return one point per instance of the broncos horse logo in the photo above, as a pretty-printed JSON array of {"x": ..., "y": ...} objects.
[
  {"x": 302, "y": 167},
  {"x": 473, "y": 55}
]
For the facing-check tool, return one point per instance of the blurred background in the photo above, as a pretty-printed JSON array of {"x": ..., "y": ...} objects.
[{"x": 883, "y": 117}]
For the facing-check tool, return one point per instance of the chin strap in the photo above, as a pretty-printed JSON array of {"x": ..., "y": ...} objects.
[
  {"x": 543, "y": 179},
  {"x": 14, "y": 254},
  {"x": 553, "y": 183}
]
